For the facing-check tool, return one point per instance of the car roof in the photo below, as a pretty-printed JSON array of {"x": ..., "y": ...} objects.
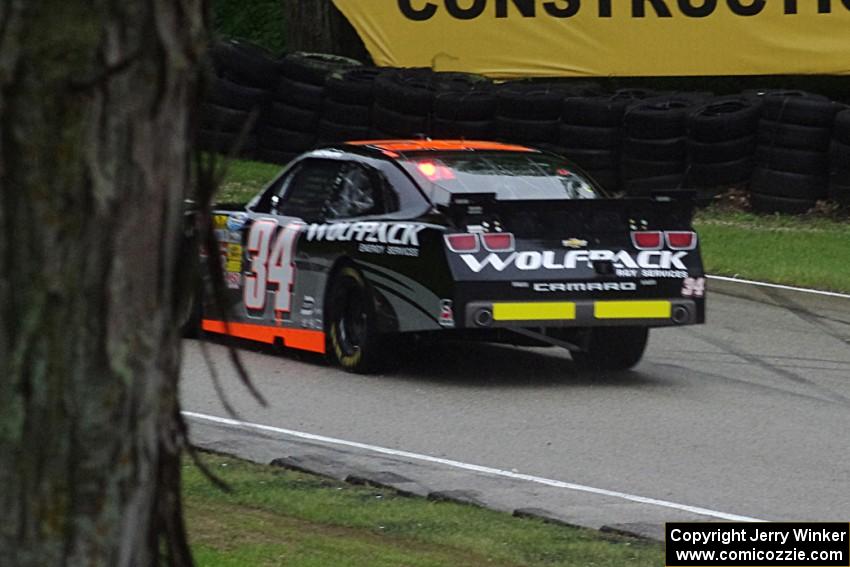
[{"x": 423, "y": 146}]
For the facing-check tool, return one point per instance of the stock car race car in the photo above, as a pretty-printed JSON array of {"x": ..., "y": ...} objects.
[{"x": 355, "y": 246}]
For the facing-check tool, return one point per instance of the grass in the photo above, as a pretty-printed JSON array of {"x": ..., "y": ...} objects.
[
  {"x": 278, "y": 517},
  {"x": 804, "y": 251},
  {"x": 808, "y": 251}
]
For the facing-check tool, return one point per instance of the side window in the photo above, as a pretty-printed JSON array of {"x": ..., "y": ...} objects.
[
  {"x": 359, "y": 192},
  {"x": 304, "y": 193}
]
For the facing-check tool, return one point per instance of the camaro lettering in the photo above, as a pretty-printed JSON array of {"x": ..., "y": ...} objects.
[
  {"x": 550, "y": 260},
  {"x": 588, "y": 286},
  {"x": 398, "y": 233}
]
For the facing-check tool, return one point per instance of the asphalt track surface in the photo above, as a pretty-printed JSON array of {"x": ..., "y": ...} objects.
[{"x": 748, "y": 415}]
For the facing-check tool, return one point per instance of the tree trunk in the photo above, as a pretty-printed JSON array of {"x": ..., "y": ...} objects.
[
  {"x": 318, "y": 26},
  {"x": 94, "y": 100}
]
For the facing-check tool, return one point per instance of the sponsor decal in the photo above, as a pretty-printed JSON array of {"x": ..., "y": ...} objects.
[
  {"x": 693, "y": 287},
  {"x": 391, "y": 233},
  {"x": 234, "y": 258},
  {"x": 649, "y": 263},
  {"x": 389, "y": 250},
  {"x": 574, "y": 243},
  {"x": 233, "y": 280},
  {"x": 584, "y": 286},
  {"x": 236, "y": 221},
  {"x": 447, "y": 316},
  {"x": 219, "y": 222}
]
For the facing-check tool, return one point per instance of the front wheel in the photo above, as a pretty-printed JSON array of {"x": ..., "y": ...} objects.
[
  {"x": 612, "y": 348},
  {"x": 355, "y": 343}
]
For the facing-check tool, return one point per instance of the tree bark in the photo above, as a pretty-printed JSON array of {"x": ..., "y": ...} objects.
[
  {"x": 318, "y": 26},
  {"x": 94, "y": 103}
]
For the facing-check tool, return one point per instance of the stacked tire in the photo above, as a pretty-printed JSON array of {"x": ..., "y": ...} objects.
[
  {"x": 721, "y": 143},
  {"x": 590, "y": 134},
  {"x": 290, "y": 122},
  {"x": 792, "y": 156},
  {"x": 530, "y": 113},
  {"x": 654, "y": 153},
  {"x": 466, "y": 113},
  {"x": 347, "y": 112},
  {"x": 237, "y": 95},
  {"x": 404, "y": 100},
  {"x": 839, "y": 160}
]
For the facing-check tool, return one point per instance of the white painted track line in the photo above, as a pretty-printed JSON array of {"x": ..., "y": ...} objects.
[
  {"x": 474, "y": 468},
  {"x": 778, "y": 286}
]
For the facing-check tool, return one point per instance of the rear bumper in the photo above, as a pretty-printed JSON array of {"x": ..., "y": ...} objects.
[{"x": 583, "y": 313}]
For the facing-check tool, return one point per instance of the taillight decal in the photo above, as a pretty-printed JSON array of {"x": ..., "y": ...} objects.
[
  {"x": 648, "y": 240},
  {"x": 498, "y": 241},
  {"x": 462, "y": 242},
  {"x": 681, "y": 239}
]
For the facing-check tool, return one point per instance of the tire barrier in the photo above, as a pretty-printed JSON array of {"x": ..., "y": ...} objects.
[
  {"x": 839, "y": 160},
  {"x": 792, "y": 156},
  {"x": 654, "y": 147},
  {"x": 792, "y": 148}
]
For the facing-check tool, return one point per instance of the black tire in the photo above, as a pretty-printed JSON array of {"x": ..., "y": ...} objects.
[
  {"x": 704, "y": 175},
  {"x": 354, "y": 341},
  {"x": 451, "y": 81},
  {"x": 226, "y": 143},
  {"x": 841, "y": 129},
  {"x": 839, "y": 156},
  {"x": 353, "y": 86},
  {"x": 721, "y": 152},
  {"x": 530, "y": 101},
  {"x": 333, "y": 132},
  {"x": 406, "y": 91},
  {"x": 246, "y": 62},
  {"x": 223, "y": 119},
  {"x": 803, "y": 109},
  {"x": 788, "y": 185},
  {"x": 603, "y": 112},
  {"x": 793, "y": 135},
  {"x": 613, "y": 348},
  {"x": 648, "y": 185},
  {"x": 302, "y": 95},
  {"x": 283, "y": 140},
  {"x": 274, "y": 156},
  {"x": 633, "y": 168},
  {"x": 791, "y": 160},
  {"x": 671, "y": 149},
  {"x": 226, "y": 93},
  {"x": 592, "y": 159},
  {"x": 400, "y": 124},
  {"x": 283, "y": 115},
  {"x": 773, "y": 204},
  {"x": 724, "y": 119},
  {"x": 313, "y": 68},
  {"x": 527, "y": 131},
  {"x": 351, "y": 114},
  {"x": 589, "y": 137},
  {"x": 465, "y": 129},
  {"x": 660, "y": 117},
  {"x": 840, "y": 193},
  {"x": 466, "y": 106}
]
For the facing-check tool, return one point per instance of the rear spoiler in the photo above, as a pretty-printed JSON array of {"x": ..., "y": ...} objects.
[{"x": 678, "y": 205}]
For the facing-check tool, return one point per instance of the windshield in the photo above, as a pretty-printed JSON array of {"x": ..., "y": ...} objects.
[{"x": 510, "y": 176}]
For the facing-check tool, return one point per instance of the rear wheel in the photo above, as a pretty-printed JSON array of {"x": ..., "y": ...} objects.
[
  {"x": 355, "y": 343},
  {"x": 613, "y": 348}
]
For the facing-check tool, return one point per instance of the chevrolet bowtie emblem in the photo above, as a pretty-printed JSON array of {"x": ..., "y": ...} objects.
[{"x": 574, "y": 243}]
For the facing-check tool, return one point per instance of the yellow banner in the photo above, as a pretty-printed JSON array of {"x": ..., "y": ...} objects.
[{"x": 516, "y": 38}]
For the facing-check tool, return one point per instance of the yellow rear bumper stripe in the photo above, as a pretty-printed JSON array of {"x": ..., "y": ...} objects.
[
  {"x": 632, "y": 309},
  {"x": 541, "y": 311}
]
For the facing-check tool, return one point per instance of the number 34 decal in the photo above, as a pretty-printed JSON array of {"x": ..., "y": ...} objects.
[{"x": 271, "y": 263}]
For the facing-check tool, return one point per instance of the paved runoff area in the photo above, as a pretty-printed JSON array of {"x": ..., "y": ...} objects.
[{"x": 744, "y": 418}]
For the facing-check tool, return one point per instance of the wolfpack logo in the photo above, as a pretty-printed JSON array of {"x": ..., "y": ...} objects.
[
  {"x": 398, "y": 233},
  {"x": 589, "y": 286},
  {"x": 549, "y": 260}
]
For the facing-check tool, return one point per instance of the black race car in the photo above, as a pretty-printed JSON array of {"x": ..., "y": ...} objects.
[{"x": 355, "y": 247}]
